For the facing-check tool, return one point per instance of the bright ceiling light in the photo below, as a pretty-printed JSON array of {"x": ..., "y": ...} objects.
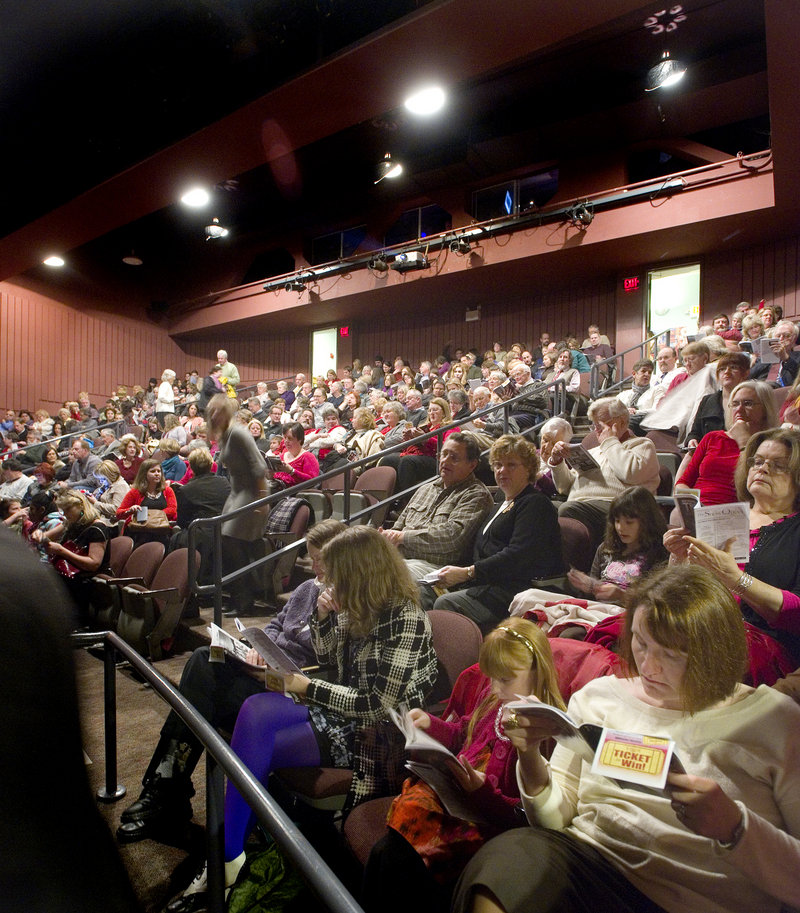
[
  {"x": 665, "y": 73},
  {"x": 426, "y": 101},
  {"x": 215, "y": 230},
  {"x": 196, "y": 197},
  {"x": 388, "y": 168},
  {"x": 54, "y": 261}
]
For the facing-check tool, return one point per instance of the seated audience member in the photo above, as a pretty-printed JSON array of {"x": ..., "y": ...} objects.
[
  {"x": 519, "y": 541},
  {"x": 324, "y": 440},
  {"x": 533, "y": 408},
  {"x": 111, "y": 491},
  {"x": 632, "y": 547},
  {"x": 563, "y": 370},
  {"x": 415, "y": 411},
  {"x": 174, "y": 430},
  {"x": 15, "y": 485},
  {"x": 552, "y": 431},
  {"x": 301, "y": 465},
  {"x": 789, "y": 412},
  {"x": 418, "y": 461},
  {"x": 593, "y": 337},
  {"x": 149, "y": 490},
  {"x": 751, "y": 408},
  {"x": 639, "y": 398},
  {"x": 594, "y": 348},
  {"x": 438, "y": 525},
  {"x": 274, "y": 426},
  {"x": 78, "y": 549},
  {"x": 364, "y": 440},
  {"x": 768, "y": 585},
  {"x": 783, "y": 372},
  {"x": 457, "y": 374},
  {"x": 167, "y": 452},
  {"x": 579, "y": 361},
  {"x": 752, "y": 328},
  {"x": 724, "y": 328},
  {"x": 83, "y": 465},
  {"x": 489, "y": 426},
  {"x": 106, "y": 446},
  {"x": 458, "y": 400},
  {"x": 43, "y": 480},
  {"x": 425, "y": 849},
  {"x": 350, "y": 402},
  {"x": 217, "y": 691},
  {"x": 667, "y": 369},
  {"x": 726, "y": 835},
  {"x": 42, "y": 515},
  {"x": 623, "y": 461},
  {"x": 256, "y": 429},
  {"x": 769, "y": 316},
  {"x": 731, "y": 369},
  {"x": 675, "y": 411}
]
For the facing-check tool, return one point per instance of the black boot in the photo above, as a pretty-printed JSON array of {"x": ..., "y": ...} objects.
[{"x": 162, "y": 810}]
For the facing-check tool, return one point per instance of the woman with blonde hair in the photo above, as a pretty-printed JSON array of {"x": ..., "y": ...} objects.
[
  {"x": 425, "y": 849},
  {"x": 380, "y": 645},
  {"x": 108, "y": 498}
]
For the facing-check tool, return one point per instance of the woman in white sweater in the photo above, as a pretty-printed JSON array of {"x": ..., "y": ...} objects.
[{"x": 725, "y": 835}]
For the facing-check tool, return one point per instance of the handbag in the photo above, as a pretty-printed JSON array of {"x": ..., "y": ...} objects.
[
  {"x": 64, "y": 566},
  {"x": 156, "y": 519}
]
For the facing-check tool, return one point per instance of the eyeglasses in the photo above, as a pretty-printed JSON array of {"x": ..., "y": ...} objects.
[
  {"x": 771, "y": 466},
  {"x": 745, "y": 403}
]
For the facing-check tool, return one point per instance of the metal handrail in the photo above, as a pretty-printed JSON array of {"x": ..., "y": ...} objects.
[
  {"x": 617, "y": 360},
  {"x": 219, "y": 580},
  {"x": 220, "y": 759}
]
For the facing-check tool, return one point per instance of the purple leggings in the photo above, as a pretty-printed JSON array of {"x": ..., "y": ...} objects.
[{"x": 271, "y": 731}]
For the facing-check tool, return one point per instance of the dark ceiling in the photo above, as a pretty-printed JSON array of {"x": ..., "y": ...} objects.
[{"x": 92, "y": 89}]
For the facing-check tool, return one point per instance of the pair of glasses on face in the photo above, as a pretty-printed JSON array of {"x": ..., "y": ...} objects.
[
  {"x": 744, "y": 403},
  {"x": 773, "y": 467}
]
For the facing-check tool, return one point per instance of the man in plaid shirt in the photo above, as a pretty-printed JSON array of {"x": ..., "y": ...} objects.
[{"x": 439, "y": 524}]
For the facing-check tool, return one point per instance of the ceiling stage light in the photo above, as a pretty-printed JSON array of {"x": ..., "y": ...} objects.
[
  {"x": 665, "y": 73},
  {"x": 215, "y": 230},
  {"x": 426, "y": 101},
  {"x": 388, "y": 168},
  {"x": 196, "y": 197},
  {"x": 54, "y": 261}
]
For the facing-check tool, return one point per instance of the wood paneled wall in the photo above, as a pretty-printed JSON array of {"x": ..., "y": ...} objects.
[
  {"x": 520, "y": 320},
  {"x": 257, "y": 357},
  {"x": 49, "y": 352},
  {"x": 771, "y": 271}
]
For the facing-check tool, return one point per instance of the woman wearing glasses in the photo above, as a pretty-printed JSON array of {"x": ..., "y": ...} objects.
[
  {"x": 750, "y": 408},
  {"x": 768, "y": 586}
]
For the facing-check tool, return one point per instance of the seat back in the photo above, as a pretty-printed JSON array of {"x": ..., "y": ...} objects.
[
  {"x": 281, "y": 570},
  {"x": 576, "y": 544},
  {"x": 457, "y": 642},
  {"x": 120, "y": 549},
  {"x": 379, "y": 483},
  {"x": 144, "y": 561},
  {"x": 334, "y": 483}
]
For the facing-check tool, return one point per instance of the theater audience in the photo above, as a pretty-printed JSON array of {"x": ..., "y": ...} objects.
[{"x": 418, "y": 461}]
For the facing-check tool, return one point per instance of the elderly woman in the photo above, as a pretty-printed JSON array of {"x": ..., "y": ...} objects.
[
  {"x": 752, "y": 328},
  {"x": 395, "y": 424},
  {"x": 768, "y": 585},
  {"x": 751, "y": 408},
  {"x": 108, "y": 498},
  {"x": 723, "y": 836},
  {"x": 301, "y": 465},
  {"x": 165, "y": 398},
  {"x": 519, "y": 541},
  {"x": 623, "y": 461},
  {"x": 365, "y": 439}
]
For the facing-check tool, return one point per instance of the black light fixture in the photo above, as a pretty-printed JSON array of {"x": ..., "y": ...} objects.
[
  {"x": 388, "y": 168},
  {"x": 378, "y": 264},
  {"x": 665, "y": 73},
  {"x": 460, "y": 246},
  {"x": 295, "y": 285},
  {"x": 581, "y": 216}
]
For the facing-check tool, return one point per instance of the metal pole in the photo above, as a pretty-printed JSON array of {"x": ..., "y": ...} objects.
[
  {"x": 218, "y": 575},
  {"x": 214, "y": 835},
  {"x": 112, "y": 791}
]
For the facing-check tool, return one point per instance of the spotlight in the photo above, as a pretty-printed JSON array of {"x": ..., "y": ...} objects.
[
  {"x": 215, "y": 230},
  {"x": 414, "y": 259},
  {"x": 581, "y": 216},
  {"x": 132, "y": 259},
  {"x": 378, "y": 264},
  {"x": 665, "y": 73},
  {"x": 294, "y": 285},
  {"x": 426, "y": 101},
  {"x": 54, "y": 261},
  {"x": 388, "y": 168},
  {"x": 460, "y": 246},
  {"x": 196, "y": 197}
]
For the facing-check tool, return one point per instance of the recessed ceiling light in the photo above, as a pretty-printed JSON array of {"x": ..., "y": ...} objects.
[
  {"x": 54, "y": 261},
  {"x": 196, "y": 197},
  {"x": 426, "y": 101}
]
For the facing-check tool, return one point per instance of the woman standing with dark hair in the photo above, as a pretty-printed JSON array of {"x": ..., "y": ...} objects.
[{"x": 724, "y": 837}]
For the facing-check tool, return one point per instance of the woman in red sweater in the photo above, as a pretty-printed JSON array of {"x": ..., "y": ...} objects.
[{"x": 149, "y": 490}]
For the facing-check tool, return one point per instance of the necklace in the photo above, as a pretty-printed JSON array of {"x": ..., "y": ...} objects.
[{"x": 500, "y": 735}]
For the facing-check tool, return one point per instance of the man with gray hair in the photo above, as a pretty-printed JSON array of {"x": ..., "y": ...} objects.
[
  {"x": 229, "y": 369},
  {"x": 782, "y": 342},
  {"x": 415, "y": 411},
  {"x": 623, "y": 461},
  {"x": 534, "y": 407}
]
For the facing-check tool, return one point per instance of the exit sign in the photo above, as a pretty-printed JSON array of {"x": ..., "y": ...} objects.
[
  {"x": 631, "y": 284},
  {"x": 344, "y": 331}
]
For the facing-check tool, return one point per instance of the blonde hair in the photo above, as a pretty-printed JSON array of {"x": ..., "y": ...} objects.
[
  {"x": 169, "y": 445},
  {"x": 368, "y": 576},
  {"x": 517, "y": 645},
  {"x": 109, "y": 469},
  {"x": 73, "y": 498},
  {"x": 516, "y": 445}
]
